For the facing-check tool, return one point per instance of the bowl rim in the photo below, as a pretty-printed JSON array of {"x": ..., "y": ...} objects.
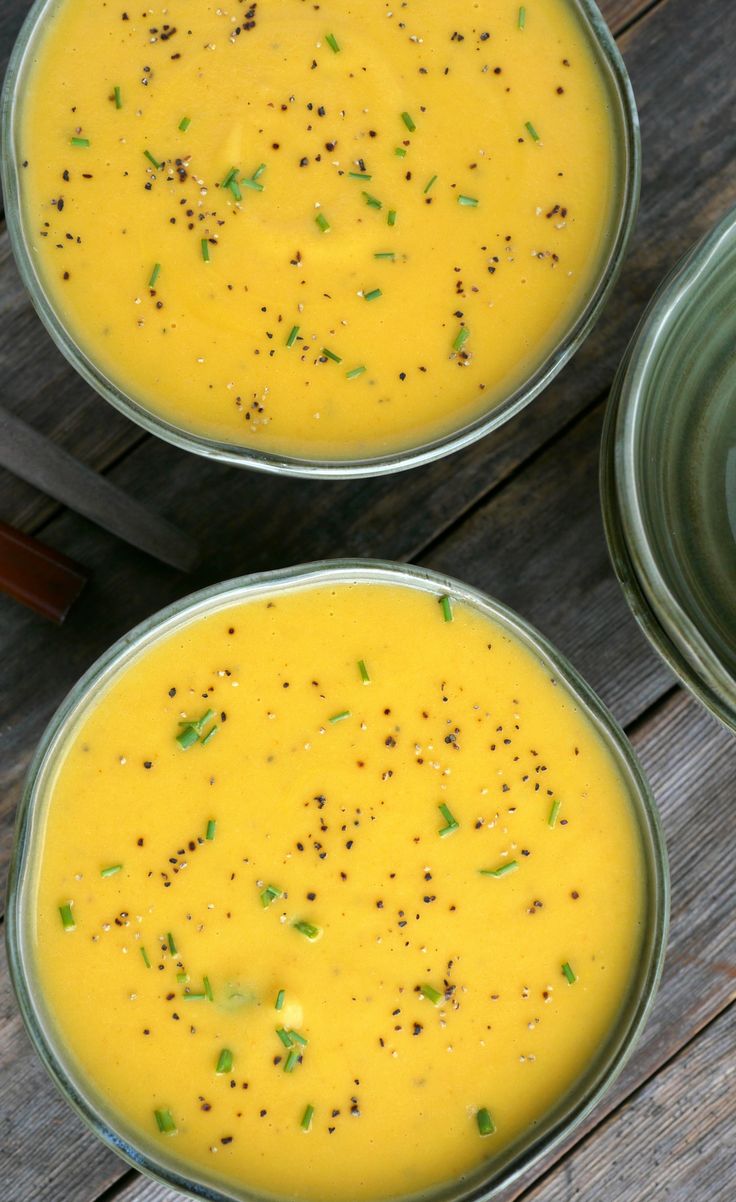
[
  {"x": 573, "y": 1107},
  {"x": 621, "y": 224},
  {"x": 665, "y": 622}
]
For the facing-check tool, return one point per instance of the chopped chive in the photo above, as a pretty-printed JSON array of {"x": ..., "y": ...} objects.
[
  {"x": 198, "y": 723},
  {"x": 224, "y": 1062},
  {"x": 280, "y": 999},
  {"x": 502, "y": 870},
  {"x": 522, "y": 17},
  {"x": 373, "y": 295},
  {"x": 146, "y": 961},
  {"x": 259, "y": 171},
  {"x": 211, "y": 829},
  {"x": 532, "y": 131},
  {"x": 430, "y": 184},
  {"x": 554, "y": 811},
  {"x": 152, "y": 160},
  {"x": 400, "y": 151},
  {"x": 306, "y": 1123},
  {"x": 154, "y": 275},
  {"x": 184, "y": 124},
  {"x": 292, "y": 336},
  {"x": 270, "y": 894},
  {"x": 284, "y": 1036},
  {"x": 355, "y": 372},
  {"x": 79, "y": 141},
  {"x": 297, "y": 1038},
  {"x": 172, "y": 945},
  {"x": 330, "y": 355},
  {"x": 182, "y": 978},
  {"x": 372, "y": 201},
  {"x": 446, "y": 604},
  {"x": 308, "y": 929},
  {"x": 469, "y": 202},
  {"x": 463, "y": 335},
  {"x": 341, "y": 716},
  {"x": 230, "y": 176},
  {"x": 113, "y": 868},
  {"x": 385, "y": 254},
  {"x": 165, "y": 1122},
  {"x": 432, "y": 995},
  {"x": 210, "y": 735},
  {"x": 67, "y": 918},
  {"x": 187, "y": 737},
  {"x": 452, "y": 822},
  {"x": 194, "y": 997},
  {"x": 118, "y": 97},
  {"x": 568, "y": 974},
  {"x": 291, "y": 1061},
  {"x": 392, "y": 217},
  {"x": 408, "y": 122},
  {"x": 252, "y": 183},
  {"x": 359, "y": 175},
  {"x": 363, "y": 672},
  {"x": 486, "y": 1125},
  {"x": 323, "y": 223},
  {"x": 233, "y": 187},
  {"x": 333, "y": 43},
  {"x": 208, "y": 989},
  {"x": 205, "y": 247}
]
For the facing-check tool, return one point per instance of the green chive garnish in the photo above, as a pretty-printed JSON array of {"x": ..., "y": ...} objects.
[
  {"x": 284, "y": 1037},
  {"x": 205, "y": 247},
  {"x": 392, "y": 217},
  {"x": 118, "y": 97},
  {"x": 340, "y": 717},
  {"x": 170, "y": 941},
  {"x": 280, "y": 999},
  {"x": 182, "y": 978},
  {"x": 452, "y": 822},
  {"x": 211, "y": 829},
  {"x": 553, "y": 813},
  {"x": 153, "y": 161},
  {"x": 502, "y": 870},
  {"x": 400, "y": 152},
  {"x": 111, "y": 870},
  {"x": 522, "y": 17},
  {"x": 568, "y": 974},
  {"x": 67, "y": 918},
  {"x": 323, "y": 223},
  {"x": 430, "y": 185},
  {"x": 432, "y": 995},
  {"x": 363, "y": 672},
  {"x": 230, "y": 176},
  {"x": 372, "y": 201},
  {"x": 408, "y": 122},
  {"x": 270, "y": 894},
  {"x": 385, "y": 254},
  {"x": 194, "y": 997},
  {"x": 532, "y": 131},
  {"x": 184, "y": 124},
  {"x": 328, "y": 354},
  {"x": 252, "y": 184},
  {"x": 462, "y": 337},
  {"x": 292, "y": 336},
  {"x": 308, "y": 929},
  {"x": 469, "y": 202},
  {"x": 306, "y": 1123},
  {"x": 333, "y": 43},
  {"x": 224, "y": 1062},
  {"x": 187, "y": 737},
  {"x": 297, "y": 1038},
  {"x": 291, "y": 1061},
  {"x": 233, "y": 187},
  {"x": 79, "y": 141},
  {"x": 359, "y": 175},
  {"x": 154, "y": 275},
  {"x": 446, "y": 605},
  {"x": 146, "y": 961},
  {"x": 355, "y": 372},
  {"x": 210, "y": 734},
  {"x": 373, "y": 295},
  {"x": 486, "y": 1125},
  {"x": 259, "y": 171},
  {"x": 208, "y": 989},
  {"x": 165, "y": 1122}
]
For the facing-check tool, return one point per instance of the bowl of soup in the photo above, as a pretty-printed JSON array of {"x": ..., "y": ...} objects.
[
  {"x": 335, "y": 883},
  {"x": 320, "y": 239}
]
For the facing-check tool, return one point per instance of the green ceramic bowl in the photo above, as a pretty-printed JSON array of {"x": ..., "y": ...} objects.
[{"x": 668, "y": 471}]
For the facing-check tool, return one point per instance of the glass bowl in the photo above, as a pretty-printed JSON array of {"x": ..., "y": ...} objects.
[
  {"x": 493, "y": 1177},
  {"x": 627, "y": 146},
  {"x": 668, "y": 471}
]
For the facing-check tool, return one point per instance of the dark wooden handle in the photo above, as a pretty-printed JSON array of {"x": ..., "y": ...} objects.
[{"x": 37, "y": 575}]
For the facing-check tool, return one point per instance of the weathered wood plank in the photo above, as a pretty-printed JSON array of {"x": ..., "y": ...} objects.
[{"x": 675, "y": 1140}]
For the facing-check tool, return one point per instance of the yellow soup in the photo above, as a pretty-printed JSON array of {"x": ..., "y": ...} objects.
[
  {"x": 328, "y": 230},
  {"x": 338, "y": 893}
]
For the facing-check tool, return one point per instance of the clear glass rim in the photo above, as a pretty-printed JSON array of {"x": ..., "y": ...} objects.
[
  {"x": 621, "y": 226},
  {"x": 669, "y": 627},
  {"x": 574, "y": 1107}
]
